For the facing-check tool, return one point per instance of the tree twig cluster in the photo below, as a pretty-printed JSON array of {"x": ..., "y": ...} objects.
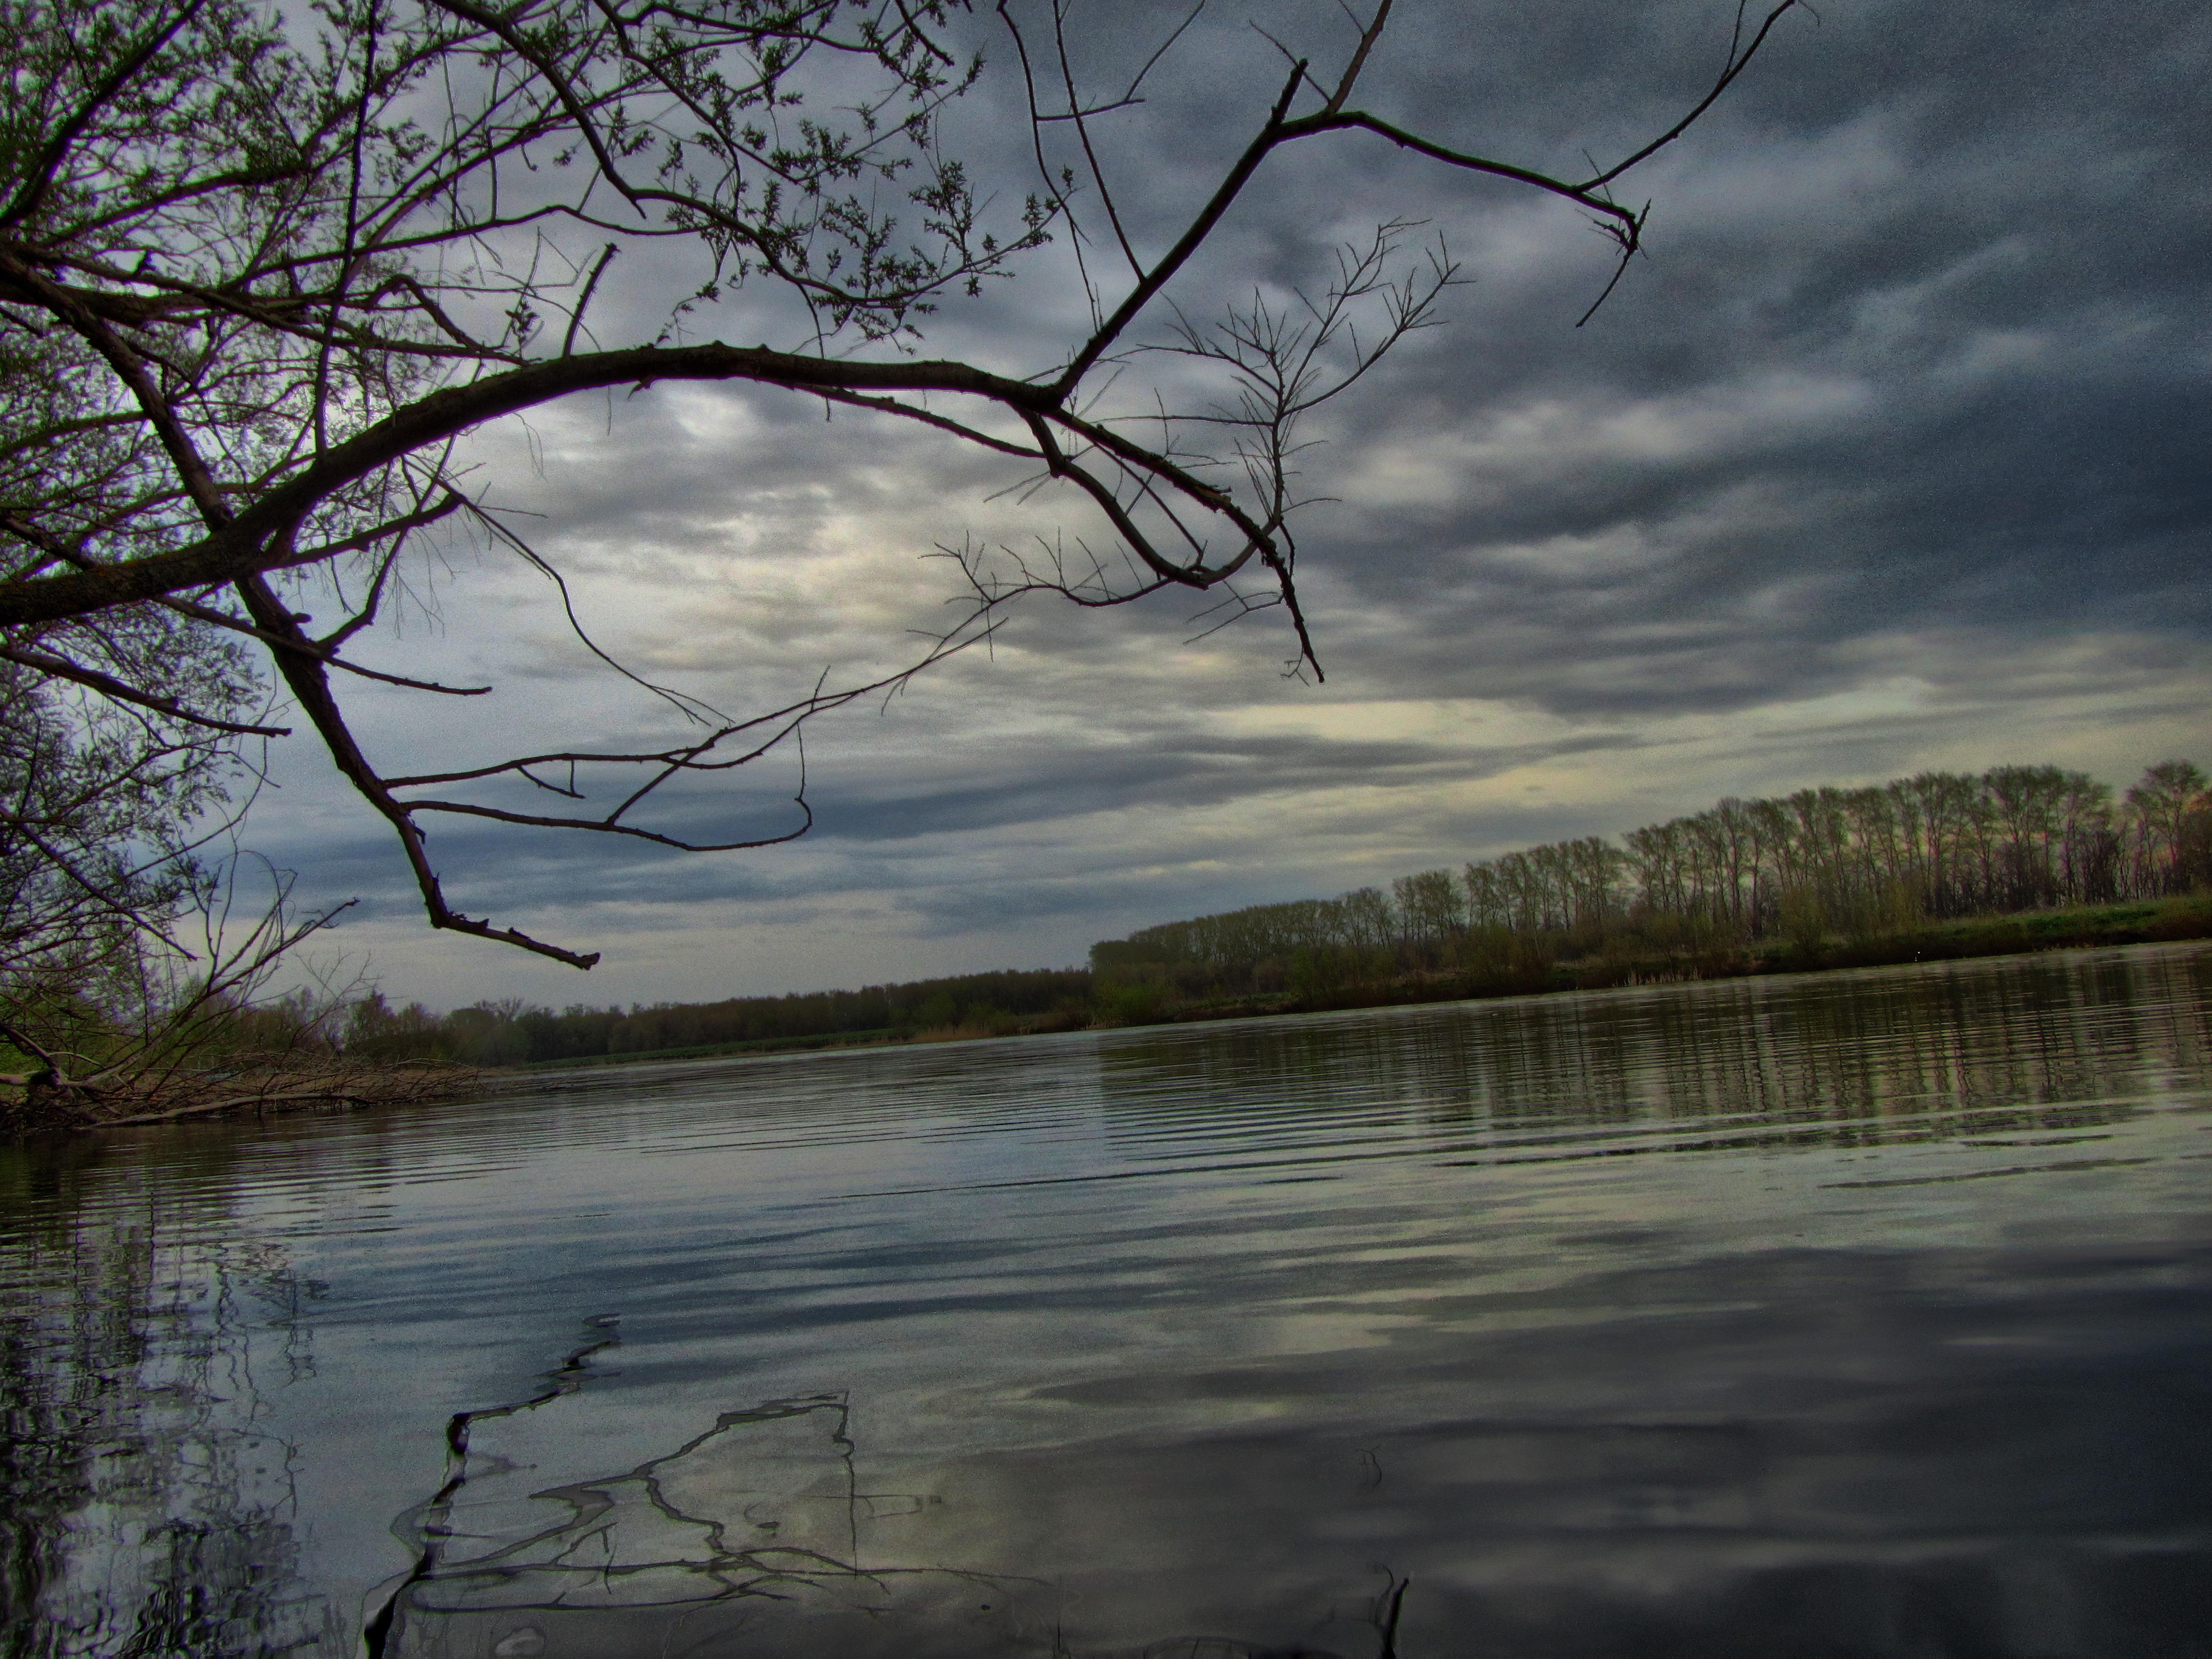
[{"x": 168, "y": 1032}]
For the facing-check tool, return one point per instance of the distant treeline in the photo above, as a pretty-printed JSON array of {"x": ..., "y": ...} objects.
[
  {"x": 511, "y": 1032},
  {"x": 1802, "y": 868}
]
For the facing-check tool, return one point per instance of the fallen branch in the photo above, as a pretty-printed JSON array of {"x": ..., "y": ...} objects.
[{"x": 43, "y": 1106}]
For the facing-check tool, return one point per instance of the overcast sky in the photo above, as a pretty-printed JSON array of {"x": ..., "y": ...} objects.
[{"x": 1891, "y": 455}]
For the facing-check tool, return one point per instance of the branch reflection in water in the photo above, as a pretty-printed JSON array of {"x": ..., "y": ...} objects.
[{"x": 753, "y": 1536}]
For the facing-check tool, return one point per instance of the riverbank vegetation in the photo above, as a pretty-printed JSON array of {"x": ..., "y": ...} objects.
[
  {"x": 510, "y": 1032},
  {"x": 1933, "y": 868},
  {"x": 141, "y": 1025}
]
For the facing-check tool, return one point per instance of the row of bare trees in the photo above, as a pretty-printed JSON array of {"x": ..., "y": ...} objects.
[{"x": 1804, "y": 867}]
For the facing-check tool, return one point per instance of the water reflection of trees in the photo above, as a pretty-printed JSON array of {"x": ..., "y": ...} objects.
[
  {"x": 144, "y": 1508},
  {"x": 1861, "y": 1059}
]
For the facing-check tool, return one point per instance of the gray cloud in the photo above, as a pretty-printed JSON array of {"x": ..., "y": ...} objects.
[{"x": 1906, "y": 411}]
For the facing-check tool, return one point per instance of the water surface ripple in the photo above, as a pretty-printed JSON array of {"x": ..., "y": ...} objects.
[{"x": 1866, "y": 1314}]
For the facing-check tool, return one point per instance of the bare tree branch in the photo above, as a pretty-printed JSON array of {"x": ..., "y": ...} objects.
[{"x": 257, "y": 285}]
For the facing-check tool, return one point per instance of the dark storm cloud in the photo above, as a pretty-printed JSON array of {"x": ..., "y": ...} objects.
[
  {"x": 1979, "y": 232},
  {"x": 1978, "y": 235}
]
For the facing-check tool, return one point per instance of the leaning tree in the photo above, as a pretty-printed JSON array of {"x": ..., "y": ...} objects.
[{"x": 261, "y": 278}]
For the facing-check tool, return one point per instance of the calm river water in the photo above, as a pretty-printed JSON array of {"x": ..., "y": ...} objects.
[{"x": 1865, "y": 1314}]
